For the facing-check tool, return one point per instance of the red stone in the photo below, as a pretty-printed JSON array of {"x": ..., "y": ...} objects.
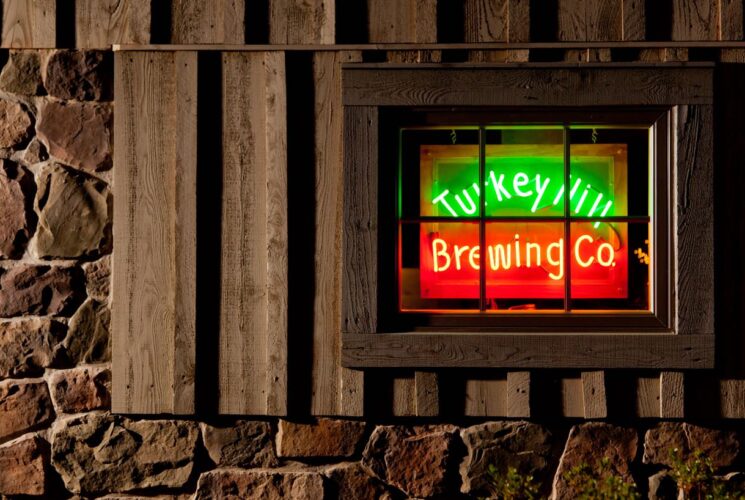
[
  {"x": 23, "y": 467},
  {"x": 24, "y": 406}
]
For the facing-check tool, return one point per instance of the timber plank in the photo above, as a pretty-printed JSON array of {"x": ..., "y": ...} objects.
[
  {"x": 648, "y": 400},
  {"x": 731, "y": 19},
  {"x": 154, "y": 233},
  {"x": 253, "y": 312},
  {"x": 486, "y": 20},
  {"x": 215, "y": 21},
  {"x": 102, "y": 23},
  {"x": 423, "y": 85},
  {"x": 672, "y": 390},
  {"x": 519, "y": 21},
  {"x": 29, "y": 23},
  {"x": 572, "y": 22},
  {"x": 310, "y": 21},
  {"x": 593, "y": 395},
  {"x": 572, "y": 400},
  {"x": 695, "y": 220},
  {"x": 604, "y": 20},
  {"x": 336, "y": 390},
  {"x": 486, "y": 397},
  {"x": 634, "y": 20},
  {"x": 695, "y": 20},
  {"x": 427, "y": 394},
  {"x": 395, "y": 21},
  {"x": 518, "y": 394}
]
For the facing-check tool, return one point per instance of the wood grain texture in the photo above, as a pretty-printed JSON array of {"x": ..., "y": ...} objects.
[
  {"x": 215, "y": 21},
  {"x": 648, "y": 397},
  {"x": 732, "y": 398},
  {"x": 153, "y": 318},
  {"x": 394, "y": 21},
  {"x": 634, "y": 20},
  {"x": 518, "y": 394},
  {"x": 572, "y": 401},
  {"x": 486, "y": 397},
  {"x": 486, "y": 20},
  {"x": 336, "y": 390},
  {"x": 695, "y": 20},
  {"x": 309, "y": 21},
  {"x": 253, "y": 312},
  {"x": 29, "y": 23},
  {"x": 102, "y": 23},
  {"x": 695, "y": 220},
  {"x": 519, "y": 21},
  {"x": 672, "y": 392},
  {"x": 593, "y": 395},
  {"x": 427, "y": 394},
  {"x": 730, "y": 20},
  {"x": 464, "y": 350},
  {"x": 604, "y": 20},
  {"x": 572, "y": 23},
  {"x": 370, "y": 85}
]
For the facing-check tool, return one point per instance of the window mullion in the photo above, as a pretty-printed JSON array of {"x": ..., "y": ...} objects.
[
  {"x": 482, "y": 215},
  {"x": 567, "y": 224}
]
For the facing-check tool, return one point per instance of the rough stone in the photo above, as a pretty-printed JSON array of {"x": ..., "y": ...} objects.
[
  {"x": 662, "y": 486},
  {"x": 247, "y": 443},
  {"x": 418, "y": 460},
  {"x": 28, "y": 346},
  {"x": 73, "y": 214},
  {"x": 589, "y": 444},
  {"x": 22, "y": 74},
  {"x": 81, "y": 389},
  {"x": 98, "y": 278},
  {"x": 24, "y": 466},
  {"x": 260, "y": 484},
  {"x": 88, "y": 339},
  {"x": 352, "y": 482},
  {"x": 16, "y": 212},
  {"x": 34, "y": 153},
  {"x": 16, "y": 122},
  {"x": 102, "y": 453},
  {"x": 78, "y": 134},
  {"x": 39, "y": 290},
  {"x": 527, "y": 447},
  {"x": 721, "y": 446},
  {"x": 78, "y": 74},
  {"x": 24, "y": 406},
  {"x": 323, "y": 437}
]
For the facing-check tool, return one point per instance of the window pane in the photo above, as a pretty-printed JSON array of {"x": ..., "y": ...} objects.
[
  {"x": 524, "y": 171},
  {"x": 611, "y": 265},
  {"x": 439, "y": 265},
  {"x": 525, "y": 265},
  {"x": 609, "y": 172},
  {"x": 439, "y": 172}
]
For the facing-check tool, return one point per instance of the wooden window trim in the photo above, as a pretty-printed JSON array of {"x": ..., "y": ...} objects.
[{"x": 687, "y": 90}]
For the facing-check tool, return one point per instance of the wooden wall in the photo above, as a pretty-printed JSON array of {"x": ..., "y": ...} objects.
[{"x": 257, "y": 143}]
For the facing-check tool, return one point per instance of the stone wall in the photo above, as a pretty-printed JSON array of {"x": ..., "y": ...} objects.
[{"x": 57, "y": 437}]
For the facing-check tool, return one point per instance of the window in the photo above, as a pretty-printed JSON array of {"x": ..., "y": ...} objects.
[{"x": 580, "y": 191}]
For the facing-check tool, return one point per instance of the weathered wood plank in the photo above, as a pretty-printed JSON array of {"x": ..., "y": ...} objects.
[
  {"x": 216, "y": 21},
  {"x": 486, "y": 21},
  {"x": 672, "y": 391},
  {"x": 572, "y": 402},
  {"x": 604, "y": 20},
  {"x": 311, "y": 21},
  {"x": 465, "y": 350},
  {"x": 634, "y": 20},
  {"x": 572, "y": 22},
  {"x": 155, "y": 235},
  {"x": 593, "y": 395},
  {"x": 331, "y": 382},
  {"x": 519, "y": 21},
  {"x": 427, "y": 394},
  {"x": 486, "y": 397},
  {"x": 731, "y": 20},
  {"x": 695, "y": 20},
  {"x": 695, "y": 220},
  {"x": 394, "y": 21},
  {"x": 253, "y": 312},
  {"x": 518, "y": 394},
  {"x": 648, "y": 400},
  {"x": 422, "y": 85},
  {"x": 101, "y": 23},
  {"x": 29, "y": 23},
  {"x": 732, "y": 398}
]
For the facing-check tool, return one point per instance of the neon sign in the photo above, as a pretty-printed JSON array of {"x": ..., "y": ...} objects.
[{"x": 523, "y": 259}]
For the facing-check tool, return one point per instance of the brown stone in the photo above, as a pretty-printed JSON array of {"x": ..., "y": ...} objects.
[
  {"x": 260, "y": 484},
  {"x": 77, "y": 74},
  {"x": 246, "y": 443},
  {"x": 417, "y": 460},
  {"x": 16, "y": 213},
  {"x": 662, "y": 486},
  {"x": 73, "y": 214},
  {"x": 24, "y": 466},
  {"x": 28, "y": 346},
  {"x": 97, "y": 452},
  {"x": 88, "y": 339},
  {"x": 722, "y": 447},
  {"x": 34, "y": 153},
  {"x": 24, "y": 406},
  {"x": 98, "y": 278},
  {"x": 78, "y": 134},
  {"x": 527, "y": 447},
  {"x": 352, "y": 482},
  {"x": 323, "y": 437},
  {"x": 22, "y": 74},
  {"x": 16, "y": 124},
  {"x": 81, "y": 389},
  {"x": 590, "y": 443},
  {"x": 39, "y": 290}
]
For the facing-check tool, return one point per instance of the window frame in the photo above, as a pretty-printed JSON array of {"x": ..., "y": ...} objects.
[{"x": 682, "y": 334}]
